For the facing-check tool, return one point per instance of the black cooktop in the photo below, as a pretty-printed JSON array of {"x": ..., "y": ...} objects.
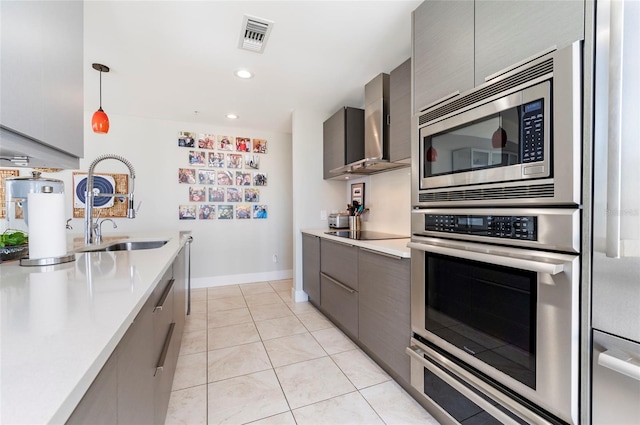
[{"x": 364, "y": 235}]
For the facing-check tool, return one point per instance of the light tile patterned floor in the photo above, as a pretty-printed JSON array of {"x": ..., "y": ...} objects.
[{"x": 251, "y": 355}]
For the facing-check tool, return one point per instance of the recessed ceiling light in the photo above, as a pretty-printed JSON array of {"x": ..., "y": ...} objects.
[
  {"x": 232, "y": 116},
  {"x": 244, "y": 74}
]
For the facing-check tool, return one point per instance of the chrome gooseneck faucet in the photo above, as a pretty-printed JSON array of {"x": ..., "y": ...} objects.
[{"x": 89, "y": 226}]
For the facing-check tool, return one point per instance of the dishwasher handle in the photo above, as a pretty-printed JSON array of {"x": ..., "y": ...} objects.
[{"x": 618, "y": 361}]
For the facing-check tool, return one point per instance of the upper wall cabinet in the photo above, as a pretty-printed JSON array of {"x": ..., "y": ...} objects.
[
  {"x": 42, "y": 76},
  {"x": 442, "y": 50},
  {"x": 343, "y": 140},
  {"x": 507, "y": 32},
  {"x": 400, "y": 112},
  {"x": 457, "y": 44}
]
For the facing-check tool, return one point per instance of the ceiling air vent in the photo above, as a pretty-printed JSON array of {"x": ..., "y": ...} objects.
[{"x": 255, "y": 32}]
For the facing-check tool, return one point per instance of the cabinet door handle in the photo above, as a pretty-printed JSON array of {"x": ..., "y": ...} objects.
[
  {"x": 342, "y": 285},
  {"x": 614, "y": 131},
  {"x": 164, "y": 296},
  {"x": 165, "y": 350}
]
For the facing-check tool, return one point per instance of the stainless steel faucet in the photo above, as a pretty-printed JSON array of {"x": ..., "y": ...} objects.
[
  {"x": 90, "y": 229},
  {"x": 99, "y": 228}
]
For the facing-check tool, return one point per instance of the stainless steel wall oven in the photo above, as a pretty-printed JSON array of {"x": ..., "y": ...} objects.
[
  {"x": 514, "y": 140},
  {"x": 495, "y": 292}
]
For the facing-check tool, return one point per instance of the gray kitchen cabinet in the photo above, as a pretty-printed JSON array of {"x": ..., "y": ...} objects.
[
  {"x": 99, "y": 404},
  {"x": 343, "y": 139},
  {"x": 163, "y": 344},
  {"x": 180, "y": 274},
  {"x": 339, "y": 284},
  {"x": 400, "y": 112},
  {"x": 384, "y": 308},
  {"x": 443, "y": 51},
  {"x": 508, "y": 32},
  {"x": 136, "y": 366},
  {"x": 42, "y": 77},
  {"x": 311, "y": 267},
  {"x": 134, "y": 386}
]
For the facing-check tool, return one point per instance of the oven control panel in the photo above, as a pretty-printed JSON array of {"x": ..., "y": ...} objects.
[{"x": 523, "y": 227}]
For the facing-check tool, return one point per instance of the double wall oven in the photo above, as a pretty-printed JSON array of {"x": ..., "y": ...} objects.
[{"x": 495, "y": 246}]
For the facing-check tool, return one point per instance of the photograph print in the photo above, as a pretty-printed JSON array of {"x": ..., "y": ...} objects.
[
  {"x": 197, "y": 194},
  {"x": 243, "y": 179},
  {"x": 224, "y": 143},
  {"x": 207, "y": 212},
  {"x": 243, "y": 144},
  {"x": 225, "y": 212},
  {"x": 259, "y": 146},
  {"x": 225, "y": 178},
  {"x": 187, "y": 175},
  {"x": 216, "y": 194},
  {"x": 197, "y": 158},
  {"x": 259, "y": 211},
  {"x": 187, "y": 212},
  {"x": 206, "y": 177},
  {"x": 234, "y": 160},
  {"x": 186, "y": 140},
  {"x": 206, "y": 141},
  {"x": 233, "y": 194},
  {"x": 216, "y": 159},
  {"x": 243, "y": 212},
  {"x": 259, "y": 179},
  {"x": 251, "y": 195},
  {"x": 252, "y": 161}
]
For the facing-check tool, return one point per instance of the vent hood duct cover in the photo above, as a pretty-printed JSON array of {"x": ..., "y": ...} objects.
[
  {"x": 254, "y": 33},
  {"x": 376, "y": 130}
]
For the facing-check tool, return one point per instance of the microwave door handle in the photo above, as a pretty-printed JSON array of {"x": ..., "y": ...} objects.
[
  {"x": 523, "y": 262},
  {"x": 614, "y": 130}
]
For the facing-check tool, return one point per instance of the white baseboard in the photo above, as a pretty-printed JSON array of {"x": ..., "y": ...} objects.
[
  {"x": 209, "y": 282},
  {"x": 299, "y": 296}
]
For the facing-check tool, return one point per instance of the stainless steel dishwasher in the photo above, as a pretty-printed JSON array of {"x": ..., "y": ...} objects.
[{"x": 616, "y": 380}]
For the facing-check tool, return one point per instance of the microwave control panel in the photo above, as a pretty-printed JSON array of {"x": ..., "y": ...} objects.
[
  {"x": 523, "y": 227},
  {"x": 533, "y": 131}
]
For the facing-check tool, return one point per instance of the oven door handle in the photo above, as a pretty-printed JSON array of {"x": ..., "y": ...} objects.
[{"x": 502, "y": 258}]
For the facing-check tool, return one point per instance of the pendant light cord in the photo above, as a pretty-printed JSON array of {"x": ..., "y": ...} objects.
[{"x": 100, "y": 89}]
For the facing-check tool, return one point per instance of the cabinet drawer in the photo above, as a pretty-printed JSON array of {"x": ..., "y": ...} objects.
[
  {"x": 340, "y": 302},
  {"x": 339, "y": 261}
]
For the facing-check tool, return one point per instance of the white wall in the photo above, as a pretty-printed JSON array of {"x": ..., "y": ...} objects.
[
  {"x": 388, "y": 197},
  {"x": 224, "y": 251}
]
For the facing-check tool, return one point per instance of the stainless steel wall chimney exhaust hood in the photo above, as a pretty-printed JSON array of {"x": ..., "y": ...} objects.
[{"x": 376, "y": 131}]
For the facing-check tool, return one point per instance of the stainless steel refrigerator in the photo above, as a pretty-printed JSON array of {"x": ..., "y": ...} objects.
[{"x": 615, "y": 278}]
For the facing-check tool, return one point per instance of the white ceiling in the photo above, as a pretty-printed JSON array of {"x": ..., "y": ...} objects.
[{"x": 169, "y": 59}]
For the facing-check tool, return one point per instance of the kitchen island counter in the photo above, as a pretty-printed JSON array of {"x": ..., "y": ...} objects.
[
  {"x": 61, "y": 323},
  {"x": 396, "y": 247}
]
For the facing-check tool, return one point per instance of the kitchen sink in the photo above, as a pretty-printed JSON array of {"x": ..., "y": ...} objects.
[{"x": 124, "y": 246}]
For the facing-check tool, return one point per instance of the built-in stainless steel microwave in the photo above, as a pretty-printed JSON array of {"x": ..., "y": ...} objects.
[{"x": 513, "y": 140}]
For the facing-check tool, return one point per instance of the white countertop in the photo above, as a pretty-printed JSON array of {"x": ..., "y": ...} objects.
[
  {"x": 397, "y": 247},
  {"x": 61, "y": 323}
]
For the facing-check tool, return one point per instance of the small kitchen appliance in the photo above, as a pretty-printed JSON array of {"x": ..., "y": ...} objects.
[
  {"x": 339, "y": 221},
  {"x": 16, "y": 191}
]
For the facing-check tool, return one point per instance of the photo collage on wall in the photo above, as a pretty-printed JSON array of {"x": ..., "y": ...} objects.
[{"x": 222, "y": 177}]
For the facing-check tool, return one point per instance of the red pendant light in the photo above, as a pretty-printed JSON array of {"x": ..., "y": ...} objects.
[{"x": 100, "y": 120}]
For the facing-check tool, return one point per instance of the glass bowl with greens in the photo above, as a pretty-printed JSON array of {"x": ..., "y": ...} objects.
[{"x": 14, "y": 244}]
